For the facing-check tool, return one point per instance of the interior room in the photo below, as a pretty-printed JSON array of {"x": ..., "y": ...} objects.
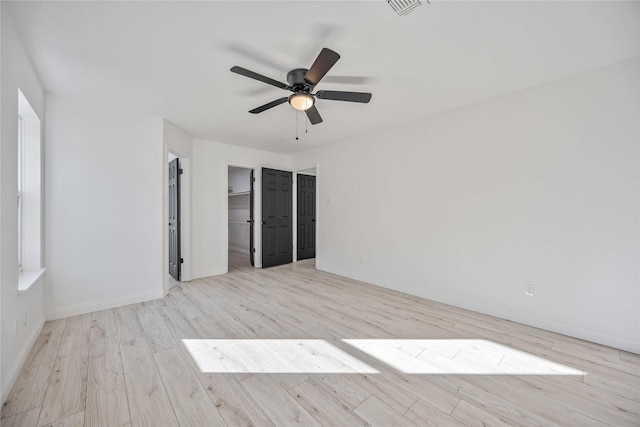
[{"x": 320, "y": 213}]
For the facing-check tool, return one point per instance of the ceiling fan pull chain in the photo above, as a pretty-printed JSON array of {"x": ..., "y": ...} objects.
[{"x": 297, "y": 114}]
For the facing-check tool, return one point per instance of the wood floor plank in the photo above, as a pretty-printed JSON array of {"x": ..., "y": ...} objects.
[
  {"x": 420, "y": 387},
  {"x": 289, "y": 380},
  {"x": 324, "y": 407},
  {"x": 27, "y": 418},
  {"x": 103, "y": 324},
  {"x": 341, "y": 388},
  {"x": 471, "y": 415},
  {"x": 127, "y": 323},
  {"x": 208, "y": 328},
  {"x": 178, "y": 300},
  {"x": 158, "y": 334},
  {"x": 78, "y": 324},
  {"x": 613, "y": 387},
  {"x": 57, "y": 325},
  {"x": 544, "y": 406},
  {"x": 66, "y": 393},
  {"x": 148, "y": 400},
  {"x": 234, "y": 403},
  {"x": 587, "y": 406},
  {"x": 107, "y": 403},
  {"x": 424, "y": 414},
  {"x": 190, "y": 402},
  {"x": 31, "y": 385},
  {"x": 180, "y": 325},
  {"x": 76, "y": 420},
  {"x": 502, "y": 408},
  {"x": 377, "y": 413},
  {"x": 630, "y": 357},
  {"x": 385, "y": 390},
  {"x": 279, "y": 406}
]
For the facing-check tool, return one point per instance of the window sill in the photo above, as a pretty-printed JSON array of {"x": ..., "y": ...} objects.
[{"x": 26, "y": 279}]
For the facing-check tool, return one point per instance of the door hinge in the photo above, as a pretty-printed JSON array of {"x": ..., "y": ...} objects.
[
  {"x": 181, "y": 260},
  {"x": 254, "y": 249},
  {"x": 180, "y": 171}
]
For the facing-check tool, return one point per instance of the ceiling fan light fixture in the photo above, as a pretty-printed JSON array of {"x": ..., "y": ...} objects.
[{"x": 301, "y": 101}]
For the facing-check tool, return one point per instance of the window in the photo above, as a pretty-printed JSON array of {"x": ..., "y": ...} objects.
[
  {"x": 29, "y": 189},
  {"x": 20, "y": 186}
]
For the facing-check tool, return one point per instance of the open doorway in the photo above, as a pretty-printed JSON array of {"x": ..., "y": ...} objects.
[{"x": 239, "y": 215}]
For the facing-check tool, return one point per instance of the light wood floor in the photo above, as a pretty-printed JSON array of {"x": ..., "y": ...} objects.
[
  {"x": 294, "y": 346},
  {"x": 238, "y": 261}
]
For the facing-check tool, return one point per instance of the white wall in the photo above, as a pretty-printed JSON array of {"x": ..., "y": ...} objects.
[
  {"x": 178, "y": 143},
  {"x": 103, "y": 208},
  {"x": 210, "y": 198},
  {"x": 538, "y": 187},
  {"x": 17, "y": 73}
]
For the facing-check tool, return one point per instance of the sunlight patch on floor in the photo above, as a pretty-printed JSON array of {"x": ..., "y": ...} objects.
[
  {"x": 457, "y": 356},
  {"x": 272, "y": 356}
]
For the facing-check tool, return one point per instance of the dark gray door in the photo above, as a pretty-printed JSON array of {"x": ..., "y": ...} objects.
[
  {"x": 306, "y": 215},
  {"x": 252, "y": 249},
  {"x": 174, "y": 219},
  {"x": 277, "y": 243}
]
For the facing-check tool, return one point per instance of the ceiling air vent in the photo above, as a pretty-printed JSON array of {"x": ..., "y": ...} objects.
[{"x": 404, "y": 7}]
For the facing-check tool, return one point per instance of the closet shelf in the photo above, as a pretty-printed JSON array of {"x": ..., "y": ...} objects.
[
  {"x": 241, "y": 193},
  {"x": 239, "y": 222}
]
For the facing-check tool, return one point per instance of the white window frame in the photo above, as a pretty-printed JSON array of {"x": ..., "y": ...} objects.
[{"x": 29, "y": 191}]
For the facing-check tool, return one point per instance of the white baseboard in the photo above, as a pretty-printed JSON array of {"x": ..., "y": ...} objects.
[
  {"x": 597, "y": 337},
  {"x": 20, "y": 358},
  {"x": 75, "y": 310}
]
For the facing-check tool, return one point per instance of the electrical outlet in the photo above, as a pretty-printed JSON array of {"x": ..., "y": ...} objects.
[{"x": 530, "y": 290}]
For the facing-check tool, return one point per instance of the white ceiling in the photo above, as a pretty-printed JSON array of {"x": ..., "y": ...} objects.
[{"x": 172, "y": 58}]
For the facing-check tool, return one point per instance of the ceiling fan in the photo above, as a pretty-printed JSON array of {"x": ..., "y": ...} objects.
[{"x": 302, "y": 82}]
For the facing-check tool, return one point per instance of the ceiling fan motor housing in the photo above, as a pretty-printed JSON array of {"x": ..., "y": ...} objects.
[{"x": 296, "y": 80}]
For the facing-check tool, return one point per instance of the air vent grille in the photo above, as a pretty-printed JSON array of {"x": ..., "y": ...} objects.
[{"x": 404, "y": 7}]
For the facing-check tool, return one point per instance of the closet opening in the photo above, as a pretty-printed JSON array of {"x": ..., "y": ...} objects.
[{"x": 240, "y": 207}]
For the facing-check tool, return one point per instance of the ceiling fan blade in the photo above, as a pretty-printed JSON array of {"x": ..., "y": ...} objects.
[
  {"x": 256, "y": 76},
  {"x": 269, "y": 105},
  {"x": 336, "y": 95},
  {"x": 313, "y": 115},
  {"x": 323, "y": 63}
]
